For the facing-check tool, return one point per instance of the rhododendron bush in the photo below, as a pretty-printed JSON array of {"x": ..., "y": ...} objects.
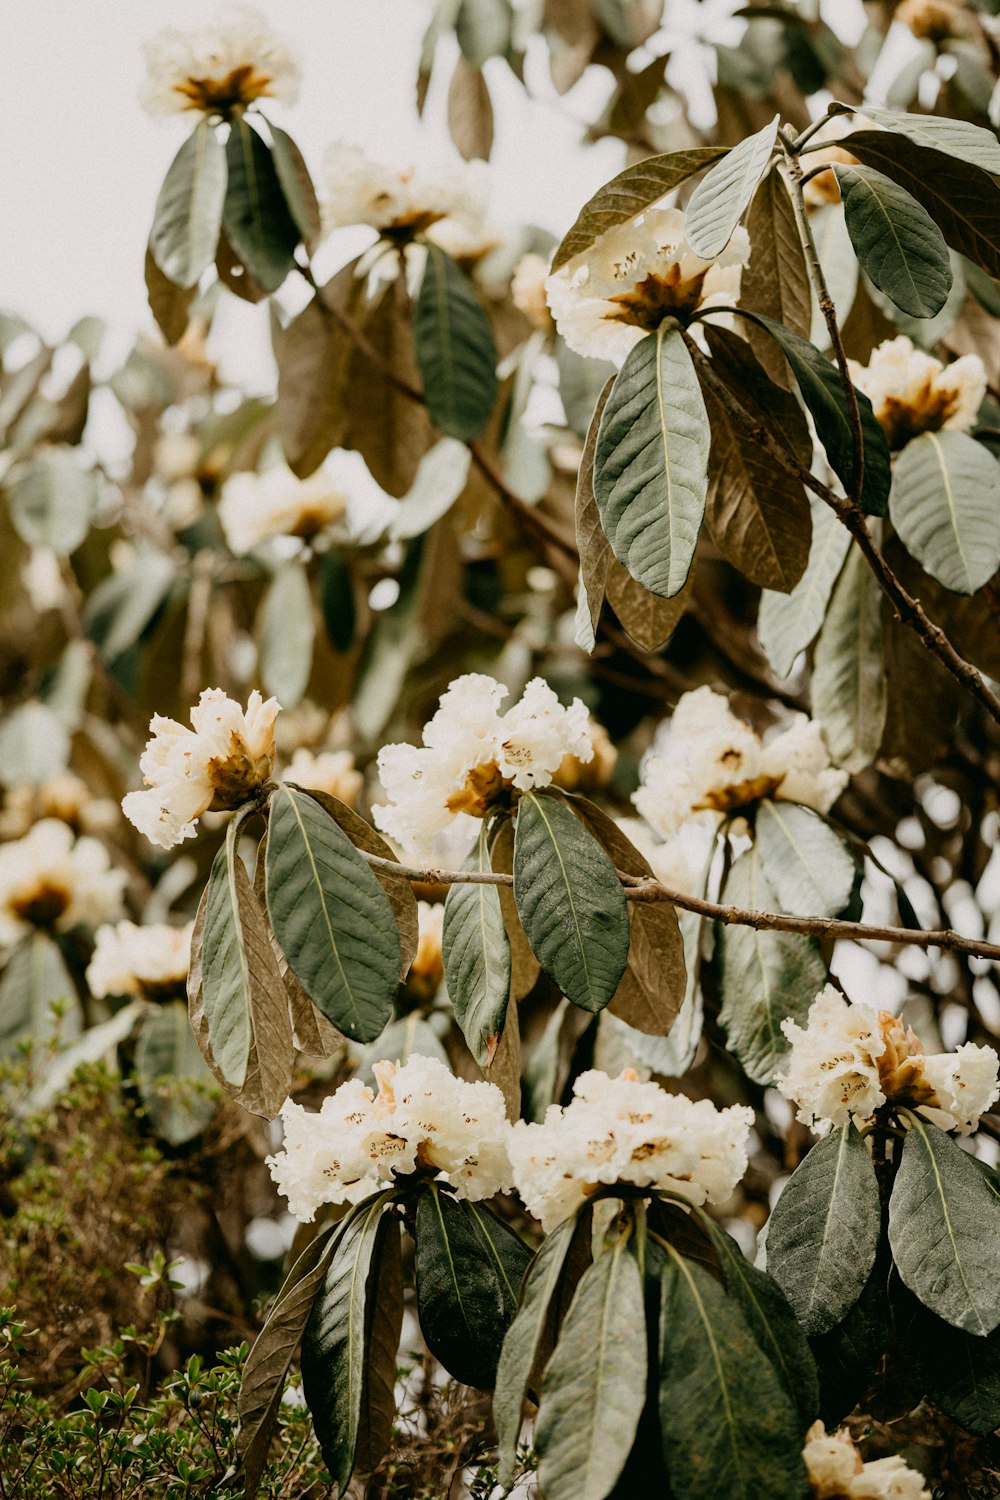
[{"x": 536, "y": 769}]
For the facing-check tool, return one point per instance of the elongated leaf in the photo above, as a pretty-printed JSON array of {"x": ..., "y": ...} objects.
[
  {"x": 455, "y": 349},
  {"x": 811, "y": 870},
  {"x": 477, "y": 958},
  {"x": 331, "y": 917},
  {"x": 943, "y": 1225},
  {"x": 591, "y": 543},
  {"x": 776, "y": 281},
  {"x": 824, "y": 1231},
  {"x": 525, "y": 967},
  {"x": 287, "y": 634},
  {"x": 297, "y": 185},
  {"x": 645, "y": 618},
  {"x": 35, "y": 978},
  {"x": 595, "y": 1383},
  {"x": 651, "y": 463},
  {"x": 336, "y": 601},
  {"x": 256, "y": 216},
  {"x": 177, "y": 1090},
  {"x": 898, "y": 244},
  {"x": 170, "y": 304},
  {"x": 961, "y": 1373},
  {"x": 848, "y": 683},
  {"x": 383, "y": 1326},
  {"x": 313, "y": 358},
  {"x": 188, "y": 213},
  {"x": 441, "y": 477},
  {"x": 764, "y": 403},
  {"x": 52, "y": 502},
  {"x": 629, "y": 193},
  {"x": 390, "y": 431},
  {"x": 718, "y": 202},
  {"x": 957, "y": 138},
  {"x": 728, "y": 1426},
  {"x": 789, "y": 623},
  {"x": 470, "y": 112},
  {"x": 333, "y": 1345},
  {"x": 849, "y": 1354},
  {"x": 469, "y": 1268},
  {"x": 570, "y": 902},
  {"x": 945, "y": 506}
]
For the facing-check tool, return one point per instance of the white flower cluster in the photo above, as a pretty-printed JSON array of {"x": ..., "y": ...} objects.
[
  {"x": 714, "y": 763},
  {"x": 611, "y": 295},
  {"x": 63, "y": 795},
  {"x": 220, "y": 67},
  {"x": 51, "y": 879},
  {"x": 836, "y": 1471},
  {"x": 150, "y": 961},
  {"x": 219, "y": 763},
  {"x": 850, "y": 1059},
  {"x": 256, "y": 507},
  {"x": 472, "y": 755},
  {"x": 330, "y": 771},
  {"x": 622, "y": 1130},
  {"x": 421, "y": 1117},
  {"x": 912, "y": 392},
  {"x": 397, "y": 200}
]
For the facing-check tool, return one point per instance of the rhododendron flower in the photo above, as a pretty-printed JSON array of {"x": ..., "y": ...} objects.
[
  {"x": 934, "y": 20},
  {"x": 219, "y": 68},
  {"x": 622, "y": 287},
  {"x": 837, "y": 1472},
  {"x": 64, "y": 796},
  {"x": 912, "y": 392},
  {"x": 397, "y": 201},
  {"x": 51, "y": 879},
  {"x": 219, "y": 763},
  {"x": 255, "y": 507},
  {"x": 422, "y": 1117},
  {"x": 330, "y": 771},
  {"x": 149, "y": 961}
]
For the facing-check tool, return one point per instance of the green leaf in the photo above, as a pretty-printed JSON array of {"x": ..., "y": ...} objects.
[
  {"x": 591, "y": 543},
  {"x": 961, "y": 1373},
  {"x": 331, "y": 916},
  {"x": 595, "y": 1382},
  {"x": 469, "y": 1268},
  {"x": 287, "y": 634},
  {"x": 718, "y": 202},
  {"x": 570, "y": 902},
  {"x": 811, "y": 870},
  {"x": 455, "y": 349},
  {"x": 383, "y": 1327},
  {"x": 776, "y": 281},
  {"x": 336, "y": 601},
  {"x": 35, "y": 978},
  {"x": 188, "y": 213},
  {"x": 788, "y": 623},
  {"x": 297, "y": 186},
  {"x": 897, "y": 242},
  {"x": 945, "y": 506},
  {"x": 728, "y": 1426},
  {"x": 256, "y": 217},
  {"x": 824, "y": 1231},
  {"x": 957, "y": 138},
  {"x": 476, "y": 956},
  {"x": 651, "y": 462},
  {"x": 943, "y": 1226},
  {"x": 848, "y": 683},
  {"x": 629, "y": 193},
  {"x": 848, "y": 1356},
  {"x": 177, "y": 1090},
  {"x": 52, "y": 501},
  {"x": 334, "y": 1345}
]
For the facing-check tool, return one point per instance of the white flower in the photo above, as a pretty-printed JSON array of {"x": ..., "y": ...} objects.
[
  {"x": 256, "y": 507},
  {"x": 421, "y": 1117},
  {"x": 63, "y": 795},
  {"x": 130, "y": 960},
  {"x": 621, "y": 1130},
  {"x": 713, "y": 763},
  {"x": 527, "y": 290},
  {"x": 850, "y": 1059},
  {"x": 330, "y": 771},
  {"x": 220, "y": 67},
  {"x": 50, "y": 879},
  {"x": 836, "y": 1471},
  {"x": 669, "y": 859},
  {"x": 622, "y": 287},
  {"x": 427, "y": 968},
  {"x": 401, "y": 201},
  {"x": 219, "y": 763},
  {"x": 912, "y": 392},
  {"x": 473, "y": 755}
]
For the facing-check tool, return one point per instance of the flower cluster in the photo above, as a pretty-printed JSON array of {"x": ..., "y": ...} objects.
[
  {"x": 219, "y": 763},
  {"x": 837, "y": 1472},
  {"x": 912, "y": 392},
  {"x": 148, "y": 961},
  {"x": 220, "y": 68},
  {"x": 714, "y": 763},
  {"x": 330, "y": 771},
  {"x": 473, "y": 757},
  {"x": 399, "y": 202},
  {"x": 609, "y": 296},
  {"x": 256, "y": 507},
  {"x": 850, "y": 1059},
  {"x": 422, "y": 1117},
  {"x": 64, "y": 796},
  {"x": 51, "y": 879},
  {"x": 622, "y": 1130}
]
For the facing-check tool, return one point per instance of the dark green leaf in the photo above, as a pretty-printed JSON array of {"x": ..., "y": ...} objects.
[
  {"x": 945, "y": 506},
  {"x": 718, "y": 202},
  {"x": 383, "y": 1326},
  {"x": 257, "y": 221},
  {"x": 811, "y": 870},
  {"x": 297, "y": 185},
  {"x": 898, "y": 244},
  {"x": 477, "y": 958},
  {"x": 455, "y": 349},
  {"x": 591, "y": 543},
  {"x": 849, "y": 1354},
  {"x": 961, "y": 1373},
  {"x": 188, "y": 213}
]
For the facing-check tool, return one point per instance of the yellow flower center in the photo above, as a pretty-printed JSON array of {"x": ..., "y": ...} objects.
[
  {"x": 666, "y": 295},
  {"x": 221, "y": 96}
]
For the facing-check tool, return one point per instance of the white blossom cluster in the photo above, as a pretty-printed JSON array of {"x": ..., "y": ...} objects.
[
  {"x": 149, "y": 961},
  {"x": 622, "y": 287},
  {"x": 912, "y": 392},
  {"x": 219, "y": 763},
  {"x": 837, "y": 1472},
  {"x": 622, "y": 1130},
  {"x": 398, "y": 200},
  {"x": 850, "y": 1059},
  {"x": 220, "y": 67},
  {"x": 257, "y": 507},
  {"x": 64, "y": 796},
  {"x": 713, "y": 763},
  {"x": 421, "y": 1117},
  {"x": 472, "y": 755},
  {"x": 49, "y": 878}
]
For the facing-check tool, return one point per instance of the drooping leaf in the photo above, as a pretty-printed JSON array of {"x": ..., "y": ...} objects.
[
  {"x": 287, "y": 634},
  {"x": 823, "y": 1233},
  {"x": 469, "y": 1268},
  {"x": 960, "y": 1372},
  {"x": 945, "y": 506},
  {"x": 35, "y": 978},
  {"x": 336, "y": 601},
  {"x": 591, "y": 543},
  {"x": 645, "y": 618},
  {"x": 470, "y": 112},
  {"x": 898, "y": 244},
  {"x": 848, "y": 682},
  {"x": 256, "y": 217},
  {"x": 455, "y": 349},
  {"x": 169, "y": 303},
  {"x": 788, "y": 623},
  {"x": 177, "y": 1090},
  {"x": 570, "y": 902},
  {"x": 651, "y": 463},
  {"x": 525, "y": 967},
  {"x": 811, "y": 870},
  {"x": 389, "y": 430},
  {"x": 943, "y": 1224},
  {"x": 504, "y": 1067},
  {"x": 483, "y": 29},
  {"x": 297, "y": 186},
  {"x": 188, "y": 213},
  {"x": 776, "y": 281},
  {"x": 957, "y": 138},
  {"x": 119, "y": 609},
  {"x": 476, "y": 957},
  {"x": 849, "y": 1354},
  {"x": 764, "y": 402},
  {"x": 332, "y": 918},
  {"x": 313, "y": 361},
  {"x": 52, "y": 501},
  {"x": 718, "y": 202}
]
